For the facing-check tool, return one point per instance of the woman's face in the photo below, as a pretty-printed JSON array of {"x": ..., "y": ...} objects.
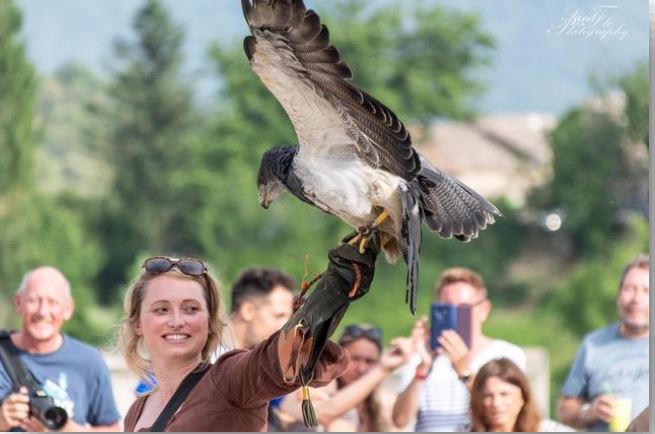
[
  {"x": 174, "y": 319},
  {"x": 502, "y": 403},
  {"x": 364, "y": 354}
]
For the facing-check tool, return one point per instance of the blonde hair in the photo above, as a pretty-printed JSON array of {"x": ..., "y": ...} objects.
[
  {"x": 460, "y": 274},
  {"x": 128, "y": 340}
]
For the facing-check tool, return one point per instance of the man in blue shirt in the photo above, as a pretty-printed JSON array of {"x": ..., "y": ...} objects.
[
  {"x": 611, "y": 366},
  {"x": 69, "y": 371}
]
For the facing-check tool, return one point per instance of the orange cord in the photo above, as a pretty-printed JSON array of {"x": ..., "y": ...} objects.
[{"x": 358, "y": 281}]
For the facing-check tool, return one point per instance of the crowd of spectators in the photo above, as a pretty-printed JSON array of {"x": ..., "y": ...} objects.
[{"x": 477, "y": 383}]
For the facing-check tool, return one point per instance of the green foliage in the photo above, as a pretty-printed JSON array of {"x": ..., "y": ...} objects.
[
  {"x": 38, "y": 232},
  {"x": 588, "y": 166},
  {"x": 586, "y": 299},
  {"x": 18, "y": 86},
  {"x": 67, "y": 159},
  {"x": 635, "y": 87},
  {"x": 149, "y": 139},
  {"x": 600, "y": 171}
]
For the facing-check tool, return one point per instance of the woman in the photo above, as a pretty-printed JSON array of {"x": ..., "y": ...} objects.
[
  {"x": 357, "y": 403},
  {"x": 501, "y": 401},
  {"x": 173, "y": 326}
]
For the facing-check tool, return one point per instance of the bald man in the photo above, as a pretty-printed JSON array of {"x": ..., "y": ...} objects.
[{"x": 71, "y": 372}]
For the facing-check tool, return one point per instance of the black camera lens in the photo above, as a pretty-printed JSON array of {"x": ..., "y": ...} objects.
[
  {"x": 43, "y": 408},
  {"x": 55, "y": 418}
]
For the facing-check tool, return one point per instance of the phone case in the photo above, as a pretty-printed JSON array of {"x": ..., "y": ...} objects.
[{"x": 450, "y": 317}]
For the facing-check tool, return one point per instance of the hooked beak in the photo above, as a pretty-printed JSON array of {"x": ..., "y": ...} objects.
[{"x": 264, "y": 202}]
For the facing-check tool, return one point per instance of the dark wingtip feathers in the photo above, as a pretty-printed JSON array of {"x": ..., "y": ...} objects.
[{"x": 246, "y": 7}]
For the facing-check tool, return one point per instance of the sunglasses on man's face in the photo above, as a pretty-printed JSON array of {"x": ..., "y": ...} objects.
[
  {"x": 355, "y": 331},
  {"x": 162, "y": 264}
]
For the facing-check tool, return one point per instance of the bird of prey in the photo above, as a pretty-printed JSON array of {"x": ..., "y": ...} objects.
[{"x": 355, "y": 158}]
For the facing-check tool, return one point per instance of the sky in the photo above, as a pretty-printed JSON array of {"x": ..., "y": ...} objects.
[{"x": 546, "y": 49}]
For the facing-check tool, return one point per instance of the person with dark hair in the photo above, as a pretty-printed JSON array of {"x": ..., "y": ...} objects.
[
  {"x": 262, "y": 301},
  {"x": 502, "y": 401},
  {"x": 434, "y": 389},
  {"x": 358, "y": 403},
  {"x": 607, "y": 385}
]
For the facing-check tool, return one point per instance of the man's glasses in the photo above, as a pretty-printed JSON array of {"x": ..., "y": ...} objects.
[
  {"x": 163, "y": 264},
  {"x": 355, "y": 331},
  {"x": 472, "y": 305}
]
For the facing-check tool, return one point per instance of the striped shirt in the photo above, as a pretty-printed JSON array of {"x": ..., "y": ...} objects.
[{"x": 444, "y": 401}]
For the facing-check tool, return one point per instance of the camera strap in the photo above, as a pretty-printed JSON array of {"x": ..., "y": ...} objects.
[
  {"x": 177, "y": 399},
  {"x": 15, "y": 369}
]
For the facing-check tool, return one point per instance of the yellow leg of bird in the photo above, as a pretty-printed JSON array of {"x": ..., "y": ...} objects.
[
  {"x": 380, "y": 219},
  {"x": 377, "y": 222},
  {"x": 355, "y": 240}
]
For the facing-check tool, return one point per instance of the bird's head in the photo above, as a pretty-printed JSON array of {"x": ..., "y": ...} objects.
[
  {"x": 269, "y": 191},
  {"x": 273, "y": 169}
]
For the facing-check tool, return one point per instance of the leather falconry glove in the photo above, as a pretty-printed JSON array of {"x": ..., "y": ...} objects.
[{"x": 348, "y": 277}]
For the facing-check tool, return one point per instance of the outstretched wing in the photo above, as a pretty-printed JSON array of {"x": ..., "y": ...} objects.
[
  {"x": 290, "y": 51},
  {"x": 450, "y": 207}
]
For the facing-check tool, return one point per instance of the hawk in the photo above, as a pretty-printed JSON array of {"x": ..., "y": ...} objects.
[{"x": 355, "y": 158}]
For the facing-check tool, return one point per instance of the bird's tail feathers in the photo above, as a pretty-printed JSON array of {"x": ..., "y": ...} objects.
[{"x": 410, "y": 238}]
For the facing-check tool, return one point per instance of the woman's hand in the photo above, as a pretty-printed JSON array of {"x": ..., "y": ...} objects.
[
  {"x": 420, "y": 337},
  {"x": 399, "y": 353}
]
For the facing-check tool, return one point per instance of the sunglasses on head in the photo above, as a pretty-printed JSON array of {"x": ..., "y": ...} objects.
[
  {"x": 163, "y": 264},
  {"x": 357, "y": 331}
]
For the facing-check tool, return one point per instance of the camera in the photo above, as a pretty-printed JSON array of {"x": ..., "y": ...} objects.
[{"x": 43, "y": 408}]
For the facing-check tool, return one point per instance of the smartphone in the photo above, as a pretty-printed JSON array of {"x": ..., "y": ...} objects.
[{"x": 450, "y": 317}]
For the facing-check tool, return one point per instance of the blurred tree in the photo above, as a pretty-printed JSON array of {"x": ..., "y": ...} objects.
[
  {"x": 35, "y": 230},
  {"x": 149, "y": 137},
  {"x": 18, "y": 86},
  {"x": 586, "y": 299},
  {"x": 67, "y": 159},
  {"x": 635, "y": 86},
  {"x": 600, "y": 168},
  {"x": 588, "y": 162}
]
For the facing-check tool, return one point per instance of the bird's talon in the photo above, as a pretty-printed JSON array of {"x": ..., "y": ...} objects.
[
  {"x": 354, "y": 240},
  {"x": 362, "y": 245}
]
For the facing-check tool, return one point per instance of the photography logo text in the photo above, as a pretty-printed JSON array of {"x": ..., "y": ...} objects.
[{"x": 591, "y": 22}]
